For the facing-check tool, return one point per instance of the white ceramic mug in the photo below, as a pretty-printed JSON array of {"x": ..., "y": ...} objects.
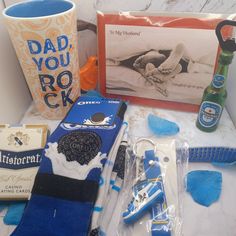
[{"x": 44, "y": 36}]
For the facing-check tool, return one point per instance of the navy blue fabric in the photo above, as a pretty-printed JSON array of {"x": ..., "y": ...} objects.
[
  {"x": 38, "y": 8},
  {"x": 50, "y": 214}
]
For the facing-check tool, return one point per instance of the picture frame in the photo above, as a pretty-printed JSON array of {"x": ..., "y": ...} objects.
[{"x": 158, "y": 59}]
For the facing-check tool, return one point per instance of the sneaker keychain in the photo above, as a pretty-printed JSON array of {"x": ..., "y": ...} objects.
[
  {"x": 146, "y": 192},
  {"x": 161, "y": 223}
]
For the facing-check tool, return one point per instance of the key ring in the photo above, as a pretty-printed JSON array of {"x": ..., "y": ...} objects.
[
  {"x": 143, "y": 140},
  {"x": 140, "y": 157}
]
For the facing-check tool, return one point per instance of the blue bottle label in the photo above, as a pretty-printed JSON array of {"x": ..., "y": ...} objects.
[
  {"x": 209, "y": 114},
  {"x": 218, "y": 81}
]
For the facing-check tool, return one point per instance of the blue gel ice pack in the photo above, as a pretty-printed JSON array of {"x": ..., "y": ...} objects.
[
  {"x": 14, "y": 213},
  {"x": 204, "y": 186},
  {"x": 162, "y": 127},
  {"x": 223, "y": 164}
]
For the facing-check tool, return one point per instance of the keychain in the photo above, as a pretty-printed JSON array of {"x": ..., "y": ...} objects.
[{"x": 148, "y": 192}]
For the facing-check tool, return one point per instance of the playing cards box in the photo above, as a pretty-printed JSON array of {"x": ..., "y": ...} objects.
[{"x": 20, "y": 156}]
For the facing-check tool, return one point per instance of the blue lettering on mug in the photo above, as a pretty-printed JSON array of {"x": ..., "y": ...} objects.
[
  {"x": 67, "y": 62},
  {"x": 52, "y": 63},
  {"x": 63, "y": 81},
  {"x": 34, "y": 46},
  {"x": 49, "y": 104},
  {"x": 64, "y": 74},
  {"x": 65, "y": 95},
  {"x": 38, "y": 63},
  {"x": 62, "y": 42},
  {"x": 47, "y": 81},
  {"x": 43, "y": 57},
  {"x": 48, "y": 46}
]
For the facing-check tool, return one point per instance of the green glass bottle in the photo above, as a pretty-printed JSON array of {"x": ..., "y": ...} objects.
[{"x": 214, "y": 96}]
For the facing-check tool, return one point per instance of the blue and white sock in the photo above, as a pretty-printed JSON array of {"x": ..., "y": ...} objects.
[
  {"x": 119, "y": 168},
  {"x": 66, "y": 185},
  {"x": 105, "y": 181}
]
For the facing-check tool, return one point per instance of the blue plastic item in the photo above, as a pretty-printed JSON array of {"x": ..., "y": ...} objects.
[
  {"x": 143, "y": 201},
  {"x": 224, "y": 164},
  {"x": 204, "y": 186},
  {"x": 162, "y": 127},
  {"x": 161, "y": 222},
  {"x": 212, "y": 154},
  {"x": 14, "y": 213}
]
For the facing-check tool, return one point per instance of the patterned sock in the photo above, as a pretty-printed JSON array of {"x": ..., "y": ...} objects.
[
  {"x": 105, "y": 183},
  {"x": 66, "y": 184},
  {"x": 114, "y": 186}
]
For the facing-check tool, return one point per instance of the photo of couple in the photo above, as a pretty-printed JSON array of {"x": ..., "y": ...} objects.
[{"x": 159, "y": 63}]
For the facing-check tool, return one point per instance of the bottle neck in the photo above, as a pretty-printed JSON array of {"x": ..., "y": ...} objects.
[{"x": 221, "y": 74}]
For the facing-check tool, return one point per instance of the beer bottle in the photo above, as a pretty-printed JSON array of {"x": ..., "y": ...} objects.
[{"x": 215, "y": 94}]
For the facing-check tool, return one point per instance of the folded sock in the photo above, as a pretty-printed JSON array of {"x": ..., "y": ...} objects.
[
  {"x": 105, "y": 180},
  {"x": 114, "y": 221},
  {"x": 112, "y": 180},
  {"x": 109, "y": 208},
  {"x": 66, "y": 185},
  {"x": 119, "y": 168}
]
